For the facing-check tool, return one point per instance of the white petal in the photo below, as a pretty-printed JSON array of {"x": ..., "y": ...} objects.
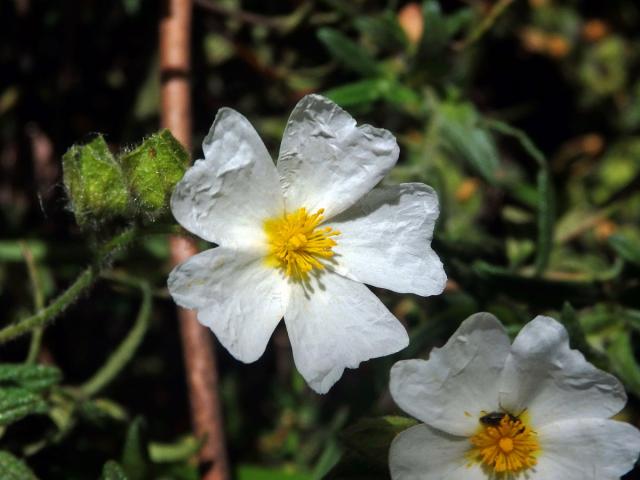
[
  {"x": 226, "y": 197},
  {"x": 385, "y": 240},
  {"x": 586, "y": 449},
  {"x": 459, "y": 381},
  {"x": 543, "y": 375},
  {"x": 326, "y": 161},
  {"x": 336, "y": 326},
  {"x": 237, "y": 296},
  {"x": 424, "y": 453}
]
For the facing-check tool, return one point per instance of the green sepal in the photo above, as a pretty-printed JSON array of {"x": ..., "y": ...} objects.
[
  {"x": 94, "y": 182},
  {"x": 152, "y": 171}
]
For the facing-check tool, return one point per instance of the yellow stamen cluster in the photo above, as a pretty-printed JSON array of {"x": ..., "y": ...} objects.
[
  {"x": 297, "y": 243},
  {"x": 508, "y": 447}
]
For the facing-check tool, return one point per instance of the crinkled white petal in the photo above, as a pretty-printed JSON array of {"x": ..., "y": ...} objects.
[
  {"x": 586, "y": 449},
  {"x": 237, "y": 296},
  {"x": 326, "y": 161},
  {"x": 226, "y": 197},
  {"x": 459, "y": 381},
  {"x": 424, "y": 453},
  {"x": 336, "y": 326},
  {"x": 385, "y": 240},
  {"x": 553, "y": 382}
]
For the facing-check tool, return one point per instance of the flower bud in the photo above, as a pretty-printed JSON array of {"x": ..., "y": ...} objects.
[
  {"x": 152, "y": 170},
  {"x": 94, "y": 182}
]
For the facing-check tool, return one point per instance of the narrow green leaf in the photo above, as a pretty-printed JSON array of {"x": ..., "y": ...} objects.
[
  {"x": 364, "y": 92},
  {"x": 32, "y": 377},
  {"x": 349, "y": 53},
  {"x": 536, "y": 291},
  {"x": 463, "y": 136},
  {"x": 525, "y": 142},
  {"x": 135, "y": 455},
  {"x": 113, "y": 471},
  {"x": 401, "y": 95},
  {"x": 384, "y": 30},
  {"x": 11, "y": 468},
  {"x": 328, "y": 459},
  {"x": 152, "y": 171},
  {"x": 251, "y": 472},
  {"x": 94, "y": 182},
  {"x": 623, "y": 361},
  {"x": 545, "y": 194},
  {"x": 17, "y": 403},
  {"x": 570, "y": 320},
  {"x": 371, "y": 437},
  {"x": 436, "y": 32},
  {"x": 627, "y": 249},
  {"x": 546, "y": 220},
  {"x": 179, "y": 451}
]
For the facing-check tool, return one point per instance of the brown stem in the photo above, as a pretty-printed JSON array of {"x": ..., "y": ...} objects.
[{"x": 199, "y": 357}]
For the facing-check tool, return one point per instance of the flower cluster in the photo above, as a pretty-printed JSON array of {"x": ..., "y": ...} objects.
[{"x": 300, "y": 238}]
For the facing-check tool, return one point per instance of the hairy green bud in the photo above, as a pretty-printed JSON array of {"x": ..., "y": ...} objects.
[
  {"x": 94, "y": 182},
  {"x": 152, "y": 171}
]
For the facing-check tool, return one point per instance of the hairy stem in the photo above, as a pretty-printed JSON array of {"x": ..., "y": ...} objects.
[
  {"x": 125, "y": 351},
  {"x": 38, "y": 302},
  {"x": 86, "y": 278}
]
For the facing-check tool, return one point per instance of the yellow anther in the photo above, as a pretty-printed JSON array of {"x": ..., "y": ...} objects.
[
  {"x": 507, "y": 447},
  {"x": 297, "y": 244}
]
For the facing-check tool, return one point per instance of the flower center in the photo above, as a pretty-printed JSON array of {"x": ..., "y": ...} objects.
[
  {"x": 504, "y": 445},
  {"x": 297, "y": 244}
]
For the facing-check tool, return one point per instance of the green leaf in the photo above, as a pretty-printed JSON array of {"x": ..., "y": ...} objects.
[
  {"x": 541, "y": 292},
  {"x": 384, "y": 30},
  {"x": 464, "y": 137},
  {"x": 364, "y": 92},
  {"x": 349, "y": 53},
  {"x": 545, "y": 194},
  {"x": 577, "y": 336},
  {"x": 152, "y": 171},
  {"x": 328, "y": 459},
  {"x": 401, "y": 95},
  {"x": 623, "y": 361},
  {"x": 17, "y": 403},
  {"x": 371, "y": 437},
  {"x": 435, "y": 37},
  {"x": 546, "y": 220},
  {"x": 135, "y": 455},
  {"x": 250, "y": 472},
  {"x": 113, "y": 471},
  {"x": 32, "y": 377},
  {"x": 12, "y": 468},
  {"x": 94, "y": 182},
  {"x": 179, "y": 451},
  {"x": 367, "y": 445},
  {"x": 101, "y": 411},
  {"x": 627, "y": 249}
]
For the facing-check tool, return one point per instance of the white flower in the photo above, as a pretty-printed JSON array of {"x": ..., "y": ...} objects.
[
  {"x": 299, "y": 240},
  {"x": 534, "y": 410}
]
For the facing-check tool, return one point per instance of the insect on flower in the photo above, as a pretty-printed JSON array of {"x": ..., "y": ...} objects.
[
  {"x": 299, "y": 240},
  {"x": 467, "y": 394}
]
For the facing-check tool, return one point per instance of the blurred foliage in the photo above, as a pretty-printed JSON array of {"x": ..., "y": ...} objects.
[{"x": 524, "y": 116}]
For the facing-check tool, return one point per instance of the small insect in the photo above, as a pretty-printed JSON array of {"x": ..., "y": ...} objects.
[{"x": 494, "y": 418}]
